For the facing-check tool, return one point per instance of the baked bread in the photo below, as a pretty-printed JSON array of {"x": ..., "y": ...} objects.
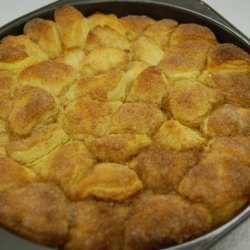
[{"x": 121, "y": 133}]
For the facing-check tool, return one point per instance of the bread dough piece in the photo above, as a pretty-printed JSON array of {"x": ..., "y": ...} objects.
[
  {"x": 135, "y": 25},
  {"x": 190, "y": 102},
  {"x": 227, "y": 120},
  {"x": 173, "y": 135},
  {"x": 234, "y": 85},
  {"x": 31, "y": 48},
  {"x": 173, "y": 218},
  {"x": 41, "y": 143},
  {"x": 228, "y": 57},
  {"x": 117, "y": 148},
  {"x": 69, "y": 165},
  {"x": 101, "y": 60},
  {"x": 39, "y": 211},
  {"x": 72, "y": 26},
  {"x": 53, "y": 76},
  {"x": 14, "y": 58},
  {"x": 138, "y": 118},
  {"x": 88, "y": 117},
  {"x": 106, "y": 37},
  {"x": 110, "y": 86},
  {"x": 7, "y": 93},
  {"x": 221, "y": 182},
  {"x": 111, "y": 20},
  {"x": 185, "y": 60},
  {"x": 73, "y": 57},
  {"x": 45, "y": 34},
  {"x": 109, "y": 181},
  {"x": 97, "y": 225},
  {"x": 193, "y": 32},
  {"x": 150, "y": 86},
  {"x": 161, "y": 170},
  {"x": 32, "y": 107},
  {"x": 160, "y": 31},
  {"x": 13, "y": 174},
  {"x": 148, "y": 51}
]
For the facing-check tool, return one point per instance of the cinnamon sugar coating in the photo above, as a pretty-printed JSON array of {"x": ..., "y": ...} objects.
[{"x": 121, "y": 133}]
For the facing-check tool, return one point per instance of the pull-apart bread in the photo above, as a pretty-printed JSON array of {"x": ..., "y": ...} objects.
[{"x": 121, "y": 133}]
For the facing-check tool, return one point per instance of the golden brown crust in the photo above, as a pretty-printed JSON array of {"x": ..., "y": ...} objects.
[
  {"x": 31, "y": 48},
  {"x": 8, "y": 86},
  {"x": 44, "y": 33},
  {"x": 146, "y": 50},
  {"x": 110, "y": 86},
  {"x": 189, "y": 102},
  {"x": 234, "y": 86},
  {"x": 161, "y": 170},
  {"x": 11, "y": 54},
  {"x": 97, "y": 225},
  {"x": 185, "y": 60},
  {"x": 134, "y": 120},
  {"x": 4, "y": 137},
  {"x": 135, "y": 25},
  {"x": 105, "y": 36},
  {"x": 193, "y": 32},
  {"x": 72, "y": 26},
  {"x": 101, "y": 60},
  {"x": 228, "y": 57},
  {"x": 227, "y": 120},
  {"x": 26, "y": 210},
  {"x": 69, "y": 165},
  {"x": 13, "y": 174},
  {"x": 109, "y": 181},
  {"x": 111, "y": 20},
  {"x": 73, "y": 57},
  {"x": 135, "y": 68},
  {"x": 237, "y": 147},
  {"x": 32, "y": 107},
  {"x": 88, "y": 117},
  {"x": 175, "y": 136},
  {"x": 173, "y": 219},
  {"x": 220, "y": 181},
  {"x": 138, "y": 118},
  {"x": 117, "y": 148},
  {"x": 160, "y": 31},
  {"x": 150, "y": 86},
  {"x": 50, "y": 75},
  {"x": 38, "y": 145},
  {"x": 14, "y": 58}
]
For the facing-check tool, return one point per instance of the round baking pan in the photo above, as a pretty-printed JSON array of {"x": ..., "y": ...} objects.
[{"x": 183, "y": 11}]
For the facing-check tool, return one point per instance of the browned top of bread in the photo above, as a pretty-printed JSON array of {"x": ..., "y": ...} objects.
[
  {"x": 72, "y": 26},
  {"x": 193, "y": 32},
  {"x": 121, "y": 132},
  {"x": 10, "y": 54},
  {"x": 135, "y": 25}
]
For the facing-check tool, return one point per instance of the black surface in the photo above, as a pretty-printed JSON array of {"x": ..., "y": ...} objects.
[{"x": 181, "y": 10}]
